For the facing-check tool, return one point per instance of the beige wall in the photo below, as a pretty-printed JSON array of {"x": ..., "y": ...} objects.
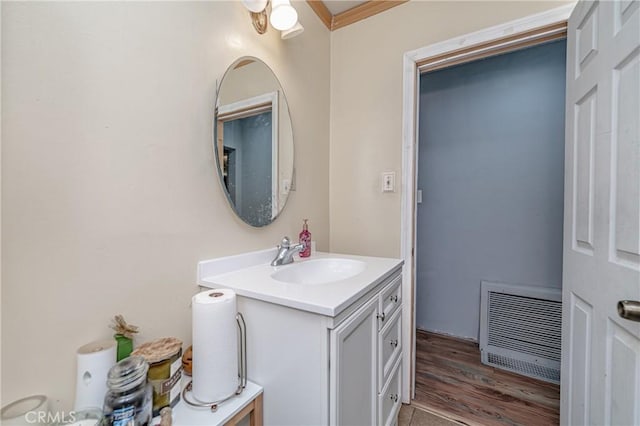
[
  {"x": 366, "y": 110},
  {"x": 109, "y": 192}
]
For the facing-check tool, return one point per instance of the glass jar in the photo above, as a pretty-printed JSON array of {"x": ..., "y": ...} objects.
[{"x": 130, "y": 398}]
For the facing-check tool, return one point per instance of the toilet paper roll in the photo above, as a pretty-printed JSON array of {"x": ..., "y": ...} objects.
[
  {"x": 215, "y": 345},
  {"x": 94, "y": 361}
]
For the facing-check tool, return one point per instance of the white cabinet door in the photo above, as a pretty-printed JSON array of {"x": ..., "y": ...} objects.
[
  {"x": 353, "y": 392},
  {"x": 601, "y": 351}
]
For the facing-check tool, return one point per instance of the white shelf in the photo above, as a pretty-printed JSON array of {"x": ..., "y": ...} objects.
[{"x": 185, "y": 415}]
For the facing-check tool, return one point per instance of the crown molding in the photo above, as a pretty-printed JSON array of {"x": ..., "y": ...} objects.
[
  {"x": 353, "y": 15},
  {"x": 321, "y": 10}
]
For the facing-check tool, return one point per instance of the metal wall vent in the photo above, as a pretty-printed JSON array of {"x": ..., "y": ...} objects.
[{"x": 520, "y": 329}]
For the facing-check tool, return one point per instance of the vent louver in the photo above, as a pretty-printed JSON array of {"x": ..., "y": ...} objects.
[{"x": 520, "y": 329}]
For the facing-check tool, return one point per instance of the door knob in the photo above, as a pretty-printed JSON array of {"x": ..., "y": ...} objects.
[{"x": 629, "y": 309}]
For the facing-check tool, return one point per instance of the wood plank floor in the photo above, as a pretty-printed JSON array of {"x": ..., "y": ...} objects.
[{"x": 451, "y": 380}]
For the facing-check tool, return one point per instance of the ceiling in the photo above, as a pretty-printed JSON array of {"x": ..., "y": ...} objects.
[{"x": 339, "y": 6}]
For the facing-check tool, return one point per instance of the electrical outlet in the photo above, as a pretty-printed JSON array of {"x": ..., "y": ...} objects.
[{"x": 388, "y": 181}]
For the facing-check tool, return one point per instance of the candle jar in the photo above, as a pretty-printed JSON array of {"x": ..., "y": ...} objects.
[{"x": 129, "y": 399}]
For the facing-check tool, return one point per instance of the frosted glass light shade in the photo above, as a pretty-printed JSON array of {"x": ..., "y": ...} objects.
[
  {"x": 255, "y": 6},
  {"x": 283, "y": 15}
]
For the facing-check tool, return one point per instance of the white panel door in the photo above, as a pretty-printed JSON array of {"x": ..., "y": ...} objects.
[{"x": 600, "y": 350}]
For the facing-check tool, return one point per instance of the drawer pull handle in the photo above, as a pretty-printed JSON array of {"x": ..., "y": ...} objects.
[
  {"x": 394, "y": 397},
  {"x": 394, "y": 298},
  {"x": 381, "y": 316},
  {"x": 394, "y": 343}
]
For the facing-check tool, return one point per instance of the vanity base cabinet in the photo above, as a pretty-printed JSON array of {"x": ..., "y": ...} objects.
[
  {"x": 321, "y": 370},
  {"x": 288, "y": 355}
]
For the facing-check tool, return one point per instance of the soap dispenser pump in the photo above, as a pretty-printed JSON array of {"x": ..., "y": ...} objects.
[{"x": 305, "y": 238}]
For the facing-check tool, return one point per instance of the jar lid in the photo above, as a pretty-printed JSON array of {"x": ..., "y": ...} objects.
[
  {"x": 128, "y": 373},
  {"x": 159, "y": 350},
  {"x": 18, "y": 409}
]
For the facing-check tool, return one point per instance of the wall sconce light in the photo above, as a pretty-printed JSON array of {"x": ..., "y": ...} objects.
[
  {"x": 297, "y": 29},
  {"x": 283, "y": 17}
]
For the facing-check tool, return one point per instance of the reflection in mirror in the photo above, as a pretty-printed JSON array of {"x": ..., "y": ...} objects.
[{"x": 253, "y": 141}]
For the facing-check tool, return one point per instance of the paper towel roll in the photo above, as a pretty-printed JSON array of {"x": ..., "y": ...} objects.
[
  {"x": 94, "y": 361},
  {"x": 215, "y": 345}
]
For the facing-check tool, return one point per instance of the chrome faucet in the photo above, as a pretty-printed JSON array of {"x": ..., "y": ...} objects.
[{"x": 286, "y": 252}]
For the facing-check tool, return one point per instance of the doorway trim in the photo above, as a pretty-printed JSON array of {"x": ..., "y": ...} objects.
[{"x": 501, "y": 38}]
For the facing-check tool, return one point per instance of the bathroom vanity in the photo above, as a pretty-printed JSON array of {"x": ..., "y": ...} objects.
[{"x": 323, "y": 334}]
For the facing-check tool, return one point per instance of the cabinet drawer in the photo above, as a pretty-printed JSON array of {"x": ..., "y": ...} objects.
[
  {"x": 389, "y": 347},
  {"x": 389, "y": 400},
  {"x": 390, "y": 300}
]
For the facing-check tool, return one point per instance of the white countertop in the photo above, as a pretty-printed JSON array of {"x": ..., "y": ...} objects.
[{"x": 254, "y": 281}]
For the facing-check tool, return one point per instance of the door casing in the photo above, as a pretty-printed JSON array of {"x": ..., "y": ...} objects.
[{"x": 497, "y": 39}]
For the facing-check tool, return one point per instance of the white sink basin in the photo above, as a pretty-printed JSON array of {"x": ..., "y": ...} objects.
[{"x": 319, "y": 271}]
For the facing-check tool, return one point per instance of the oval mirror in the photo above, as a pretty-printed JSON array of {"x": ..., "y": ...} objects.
[{"x": 253, "y": 141}]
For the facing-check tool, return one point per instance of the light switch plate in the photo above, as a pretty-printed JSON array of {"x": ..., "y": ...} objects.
[
  {"x": 292, "y": 186},
  {"x": 388, "y": 181},
  {"x": 286, "y": 186}
]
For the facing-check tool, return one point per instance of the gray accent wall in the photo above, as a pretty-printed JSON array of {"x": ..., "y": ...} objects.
[
  {"x": 491, "y": 171},
  {"x": 251, "y": 185}
]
